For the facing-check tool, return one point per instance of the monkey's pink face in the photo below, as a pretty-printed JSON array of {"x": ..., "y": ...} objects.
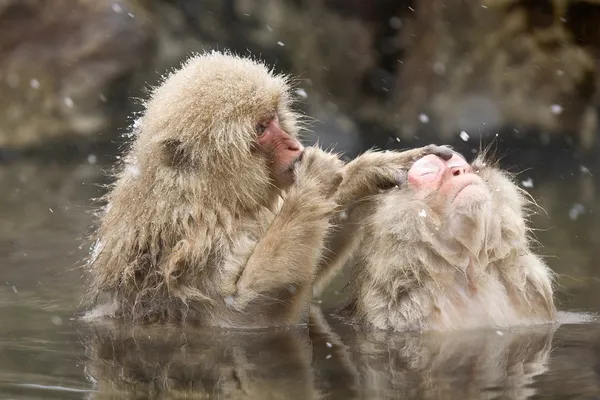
[
  {"x": 280, "y": 149},
  {"x": 452, "y": 181}
]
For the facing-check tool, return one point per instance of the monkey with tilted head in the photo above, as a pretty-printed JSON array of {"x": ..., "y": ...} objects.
[{"x": 448, "y": 249}]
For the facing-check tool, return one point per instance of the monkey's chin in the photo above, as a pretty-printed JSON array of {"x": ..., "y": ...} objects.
[
  {"x": 284, "y": 180},
  {"x": 471, "y": 196}
]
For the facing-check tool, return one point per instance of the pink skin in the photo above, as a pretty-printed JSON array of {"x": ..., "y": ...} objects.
[
  {"x": 281, "y": 149},
  {"x": 453, "y": 179}
]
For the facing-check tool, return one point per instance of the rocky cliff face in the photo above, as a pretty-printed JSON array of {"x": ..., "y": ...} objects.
[{"x": 431, "y": 69}]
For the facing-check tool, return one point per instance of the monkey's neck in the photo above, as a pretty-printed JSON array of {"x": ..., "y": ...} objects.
[{"x": 474, "y": 239}]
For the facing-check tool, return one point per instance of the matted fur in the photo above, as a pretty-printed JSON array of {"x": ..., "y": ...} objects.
[
  {"x": 181, "y": 234},
  {"x": 423, "y": 266}
]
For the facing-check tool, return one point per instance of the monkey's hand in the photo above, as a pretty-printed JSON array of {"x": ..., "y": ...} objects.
[
  {"x": 374, "y": 171},
  {"x": 319, "y": 171},
  {"x": 278, "y": 276}
]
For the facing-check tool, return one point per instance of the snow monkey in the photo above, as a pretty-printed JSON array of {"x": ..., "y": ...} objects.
[
  {"x": 449, "y": 250},
  {"x": 218, "y": 215}
]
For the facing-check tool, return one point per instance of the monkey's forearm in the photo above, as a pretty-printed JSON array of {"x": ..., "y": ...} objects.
[
  {"x": 279, "y": 273},
  {"x": 372, "y": 171},
  {"x": 340, "y": 246},
  {"x": 364, "y": 176}
]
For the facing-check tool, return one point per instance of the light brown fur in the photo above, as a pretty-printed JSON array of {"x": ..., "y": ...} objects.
[
  {"x": 422, "y": 269},
  {"x": 196, "y": 228},
  {"x": 370, "y": 173}
]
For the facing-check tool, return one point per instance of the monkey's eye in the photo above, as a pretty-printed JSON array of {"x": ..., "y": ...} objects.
[
  {"x": 428, "y": 169},
  {"x": 260, "y": 129}
]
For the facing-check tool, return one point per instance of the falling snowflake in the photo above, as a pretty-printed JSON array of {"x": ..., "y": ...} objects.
[
  {"x": 556, "y": 109},
  {"x": 302, "y": 93},
  {"x": 527, "y": 183},
  {"x": 576, "y": 211}
]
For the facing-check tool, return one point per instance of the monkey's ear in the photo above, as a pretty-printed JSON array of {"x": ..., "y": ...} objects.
[{"x": 173, "y": 152}]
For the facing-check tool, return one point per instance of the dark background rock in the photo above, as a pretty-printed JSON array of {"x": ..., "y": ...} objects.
[
  {"x": 66, "y": 66},
  {"x": 386, "y": 73}
]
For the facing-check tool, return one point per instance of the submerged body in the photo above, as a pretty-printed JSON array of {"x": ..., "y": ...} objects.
[{"x": 448, "y": 250}]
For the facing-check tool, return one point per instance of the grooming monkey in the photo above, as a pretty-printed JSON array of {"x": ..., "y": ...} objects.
[
  {"x": 449, "y": 249},
  {"x": 219, "y": 215}
]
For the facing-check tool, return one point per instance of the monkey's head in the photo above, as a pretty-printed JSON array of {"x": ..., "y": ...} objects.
[
  {"x": 226, "y": 120},
  {"x": 457, "y": 208},
  {"x": 450, "y": 186}
]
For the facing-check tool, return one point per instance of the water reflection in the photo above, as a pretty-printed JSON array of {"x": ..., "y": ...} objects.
[
  {"x": 314, "y": 362},
  {"x": 45, "y": 354},
  {"x": 477, "y": 365},
  {"x": 174, "y": 362}
]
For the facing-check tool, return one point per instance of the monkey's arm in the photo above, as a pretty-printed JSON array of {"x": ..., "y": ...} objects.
[
  {"x": 277, "y": 279},
  {"x": 375, "y": 170},
  {"x": 363, "y": 176},
  {"x": 538, "y": 290}
]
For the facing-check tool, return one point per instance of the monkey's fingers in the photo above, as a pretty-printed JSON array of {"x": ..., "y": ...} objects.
[
  {"x": 444, "y": 152},
  {"x": 401, "y": 177}
]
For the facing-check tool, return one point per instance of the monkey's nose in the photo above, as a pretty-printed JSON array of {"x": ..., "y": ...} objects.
[{"x": 456, "y": 171}]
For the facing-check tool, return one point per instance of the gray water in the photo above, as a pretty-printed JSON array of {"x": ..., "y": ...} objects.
[{"x": 46, "y": 352}]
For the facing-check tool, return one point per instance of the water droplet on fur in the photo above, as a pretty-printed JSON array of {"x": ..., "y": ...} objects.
[
  {"x": 422, "y": 213},
  {"x": 230, "y": 301},
  {"x": 424, "y": 118}
]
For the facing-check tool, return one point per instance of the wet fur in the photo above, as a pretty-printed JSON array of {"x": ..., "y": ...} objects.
[
  {"x": 194, "y": 228},
  {"x": 448, "y": 270}
]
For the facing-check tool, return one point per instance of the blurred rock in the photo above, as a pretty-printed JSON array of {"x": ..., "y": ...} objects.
[
  {"x": 67, "y": 65},
  {"x": 392, "y": 70}
]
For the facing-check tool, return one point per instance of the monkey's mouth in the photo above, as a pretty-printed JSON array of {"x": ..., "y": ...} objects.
[
  {"x": 471, "y": 192},
  {"x": 295, "y": 162}
]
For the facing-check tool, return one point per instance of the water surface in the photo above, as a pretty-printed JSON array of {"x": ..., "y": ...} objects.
[{"x": 45, "y": 352}]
